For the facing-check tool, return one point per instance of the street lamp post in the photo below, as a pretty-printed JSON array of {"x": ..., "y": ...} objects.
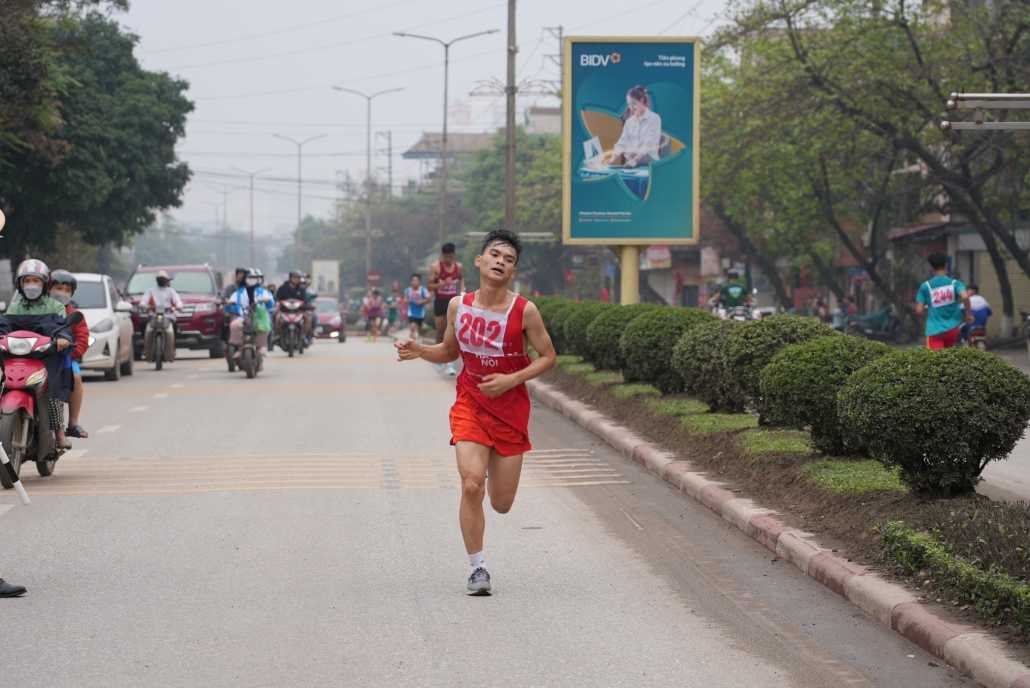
[
  {"x": 368, "y": 167},
  {"x": 443, "y": 145},
  {"x": 251, "y": 175},
  {"x": 226, "y": 190},
  {"x": 299, "y": 145}
]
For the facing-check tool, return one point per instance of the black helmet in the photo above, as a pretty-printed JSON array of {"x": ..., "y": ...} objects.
[
  {"x": 64, "y": 277},
  {"x": 296, "y": 273}
]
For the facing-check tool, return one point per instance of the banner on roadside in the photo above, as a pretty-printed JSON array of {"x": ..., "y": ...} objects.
[{"x": 631, "y": 128}]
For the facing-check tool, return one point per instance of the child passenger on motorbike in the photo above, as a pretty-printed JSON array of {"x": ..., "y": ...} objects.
[{"x": 62, "y": 288}]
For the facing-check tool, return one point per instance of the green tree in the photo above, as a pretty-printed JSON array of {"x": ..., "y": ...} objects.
[{"x": 117, "y": 162}]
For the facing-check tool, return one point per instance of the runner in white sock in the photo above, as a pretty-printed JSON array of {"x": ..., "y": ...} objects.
[{"x": 489, "y": 329}]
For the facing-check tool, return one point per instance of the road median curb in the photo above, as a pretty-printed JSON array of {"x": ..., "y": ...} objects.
[{"x": 970, "y": 650}]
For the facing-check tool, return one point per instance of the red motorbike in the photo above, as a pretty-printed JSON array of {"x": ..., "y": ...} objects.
[
  {"x": 291, "y": 313},
  {"x": 25, "y": 408}
]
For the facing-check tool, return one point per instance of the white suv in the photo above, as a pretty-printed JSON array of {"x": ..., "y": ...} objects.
[{"x": 110, "y": 325}]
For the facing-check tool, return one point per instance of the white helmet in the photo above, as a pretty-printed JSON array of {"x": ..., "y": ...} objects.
[{"x": 32, "y": 268}]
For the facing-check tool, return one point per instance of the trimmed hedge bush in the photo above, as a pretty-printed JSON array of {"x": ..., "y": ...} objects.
[
  {"x": 697, "y": 357},
  {"x": 605, "y": 333},
  {"x": 550, "y": 314},
  {"x": 578, "y": 319},
  {"x": 941, "y": 416},
  {"x": 648, "y": 341},
  {"x": 801, "y": 383},
  {"x": 750, "y": 347}
]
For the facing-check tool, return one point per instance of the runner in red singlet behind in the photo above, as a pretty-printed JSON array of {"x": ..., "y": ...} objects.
[
  {"x": 447, "y": 279},
  {"x": 489, "y": 329}
]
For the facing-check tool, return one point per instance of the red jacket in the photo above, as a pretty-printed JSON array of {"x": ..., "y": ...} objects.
[{"x": 81, "y": 332}]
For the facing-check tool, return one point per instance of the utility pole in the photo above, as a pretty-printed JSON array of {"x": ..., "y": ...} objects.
[
  {"x": 510, "y": 90},
  {"x": 299, "y": 145},
  {"x": 558, "y": 33},
  {"x": 443, "y": 143},
  {"x": 368, "y": 166},
  {"x": 388, "y": 135},
  {"x": 509, "y": 143},
  {"x": 251, "y": 175},
  {"x": 226, "y": 190}
]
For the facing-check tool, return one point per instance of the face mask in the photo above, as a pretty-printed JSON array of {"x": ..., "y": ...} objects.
[
  {"x": 61, "y": 297},
  {"x": 33, "y": 291},
  {"x": 251, "y": 282}
]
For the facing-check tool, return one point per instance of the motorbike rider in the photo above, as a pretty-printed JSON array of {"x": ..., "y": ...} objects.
[
  {"x": 733, "y": 294},
  {"x": 231, "y": 288},
  {"x": 32, "y": 280},
  {"x": 164, "y": 296},
  {"x": 293, "y": 289},
  {"x": 981, "y": 311},
  {"x": 251, "y": 294},
  {"x": 63, "y": 286}
]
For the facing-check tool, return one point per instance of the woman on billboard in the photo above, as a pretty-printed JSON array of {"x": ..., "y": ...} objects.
[{"x": 641, "y": 131}]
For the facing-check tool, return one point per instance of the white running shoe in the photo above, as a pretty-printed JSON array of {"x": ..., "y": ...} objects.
[
  {"x": 439, "y": 367},
  {"x": 450, "y": 370}
]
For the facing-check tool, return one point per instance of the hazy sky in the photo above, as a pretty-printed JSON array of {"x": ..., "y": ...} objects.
[{"x": 263, "y": 67}]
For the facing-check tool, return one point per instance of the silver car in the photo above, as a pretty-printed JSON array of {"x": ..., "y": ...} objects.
[{"x": 110, "y": 325}]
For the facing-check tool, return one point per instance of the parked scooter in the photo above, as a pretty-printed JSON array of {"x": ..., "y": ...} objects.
[
  {"x": 291, "y": 314},
  {"x": 25, "y": 428},
  {"x": 883, "y": 325}
]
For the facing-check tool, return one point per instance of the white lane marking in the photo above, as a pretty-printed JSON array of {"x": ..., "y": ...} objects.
[
  {"x": 109, "y": 428},
  {"x": 160, "y": 396},
  {"x": 75, "y": 453},
  {"x": 177, "y": 384},
  {"x": 137, "y": 409},
  {"x": 5, "y": 507}
]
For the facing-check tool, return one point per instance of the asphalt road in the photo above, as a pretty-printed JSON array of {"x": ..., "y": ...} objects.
[{"x": 301, "y": 530}]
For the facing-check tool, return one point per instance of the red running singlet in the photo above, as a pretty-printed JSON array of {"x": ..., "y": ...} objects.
[
  {"x": 493, "y": 343},
  {"x": 449, "y": 290}
]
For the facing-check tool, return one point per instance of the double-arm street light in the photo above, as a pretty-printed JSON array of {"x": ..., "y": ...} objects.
[
  {"x": 443, "y": 146},
  {"x": 251, "y": 175},
  {"x": 299, "y": 145},
  {"x": 368, "y": 167}
]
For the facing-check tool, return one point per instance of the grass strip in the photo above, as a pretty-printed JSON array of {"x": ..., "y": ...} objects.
[
  {"x": 677, "y": 407},
  {"x": 998, "y": 597},
  {"x": 711, "y": 423},
  {"x": 566, "y": 360},
  {"x": 578, "y": 368},
  {"x": 766, "y": 441},
  {"x": 635, "y": 390},
  {"x": 855, "y": 477},
  {"x": 604, "y": 377}
]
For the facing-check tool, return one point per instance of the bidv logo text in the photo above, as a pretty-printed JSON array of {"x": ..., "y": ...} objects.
[{"x": 599, "y": 60}]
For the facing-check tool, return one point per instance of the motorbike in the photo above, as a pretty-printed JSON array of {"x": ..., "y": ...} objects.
[
  {"x": 250, "y": 359},
  {"x": 25, "y": 408},
  {"x": 291, "y": 314},
  {"x": 161, "y": 325},
  {"x": 976, "y": 337},
  {"x": 883, "y": 325}
]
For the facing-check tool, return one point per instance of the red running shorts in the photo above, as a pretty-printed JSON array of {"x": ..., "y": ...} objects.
[
  {"x": 944, "y": 340},
  {"x": 470, "y": 422}
]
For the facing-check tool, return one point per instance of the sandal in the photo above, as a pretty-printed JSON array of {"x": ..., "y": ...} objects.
[{"x": 76, "y": 431}]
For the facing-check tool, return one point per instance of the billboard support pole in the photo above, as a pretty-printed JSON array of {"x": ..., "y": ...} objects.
[{"x": 630, "y": 292}]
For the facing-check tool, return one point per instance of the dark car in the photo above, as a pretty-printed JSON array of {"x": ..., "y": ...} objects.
[
  {"x": 199, "y": 325},
  {"x": 332, "y": 319}
]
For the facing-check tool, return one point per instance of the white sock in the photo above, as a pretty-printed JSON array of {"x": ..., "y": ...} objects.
[{"x": 477, "y": 561}]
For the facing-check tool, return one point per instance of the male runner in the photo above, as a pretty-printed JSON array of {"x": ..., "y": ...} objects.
[
  {"x": 447, "y": 279},
  {"x": 490, "y": 419},
  {"x": 417, "y": 297},
  {"x": 938, "y": 298}
]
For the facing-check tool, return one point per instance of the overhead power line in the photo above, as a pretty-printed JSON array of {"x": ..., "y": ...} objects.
[
  {"x": 277, "y": 32},
  {"x": 340, "y": 44}
]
